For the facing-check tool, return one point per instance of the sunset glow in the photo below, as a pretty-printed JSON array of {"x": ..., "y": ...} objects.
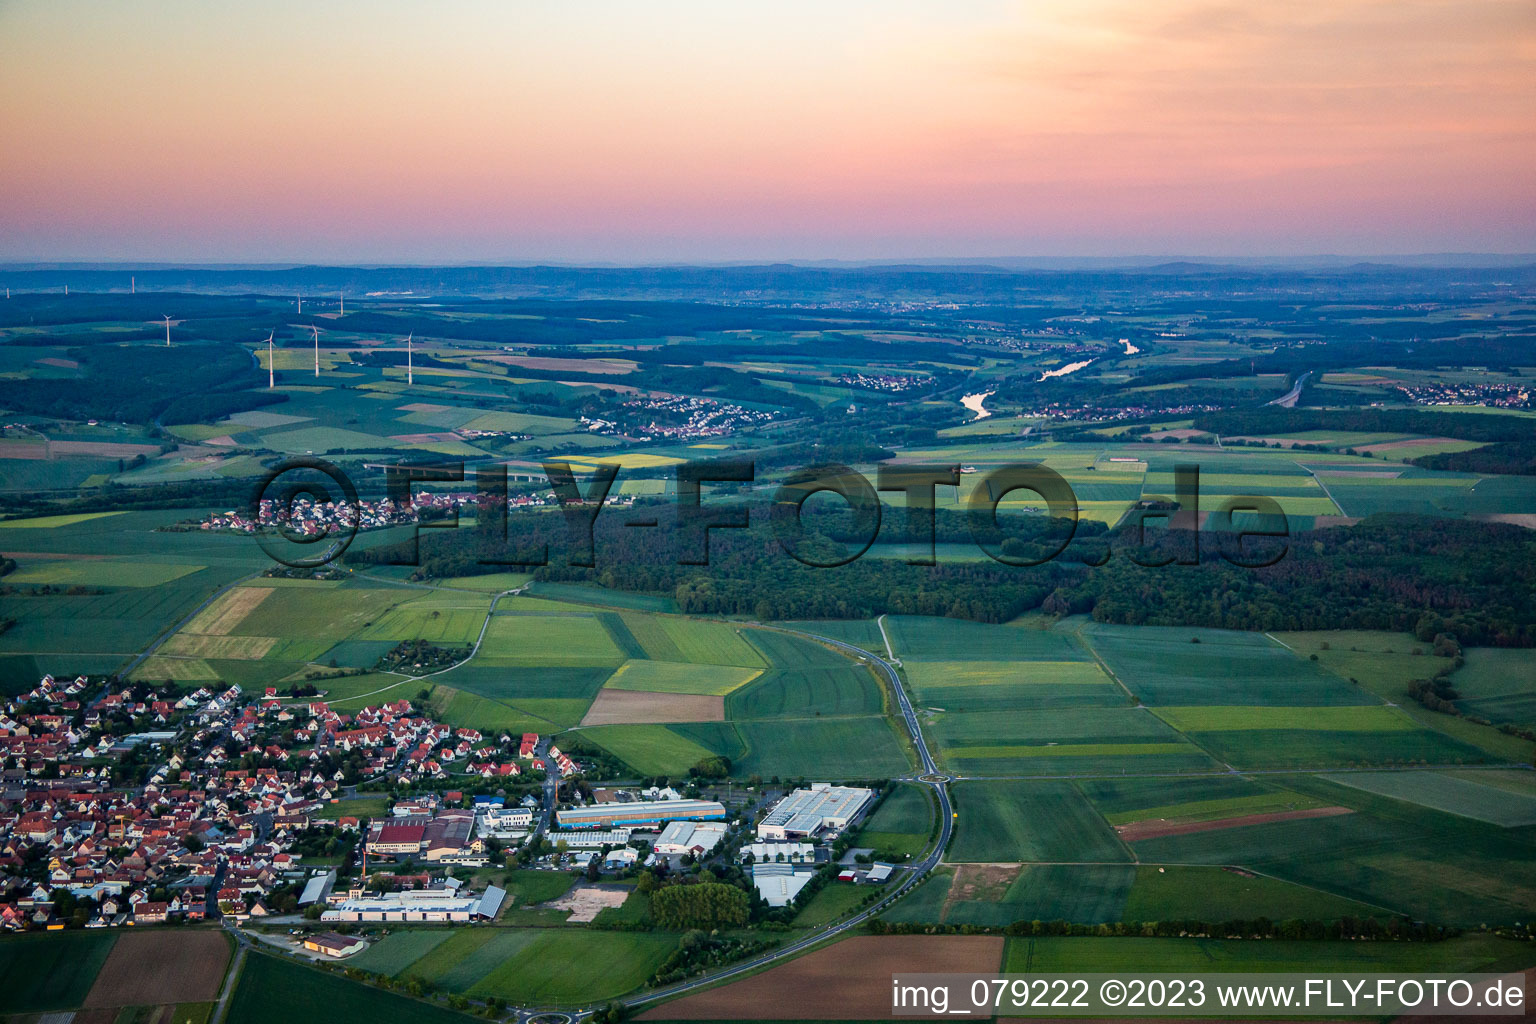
[{"x": 667, "y": 131}]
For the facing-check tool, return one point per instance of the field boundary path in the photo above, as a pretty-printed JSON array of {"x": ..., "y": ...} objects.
[
  {"x": 231, "y": 977},
  {"x": 138, "y": 660}
]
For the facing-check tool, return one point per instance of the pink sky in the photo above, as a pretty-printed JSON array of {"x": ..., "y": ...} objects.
[{"x": 633, "y": 130}]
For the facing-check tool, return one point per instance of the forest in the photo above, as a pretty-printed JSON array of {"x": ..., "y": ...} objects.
[{"x": 1474, "y": 581}]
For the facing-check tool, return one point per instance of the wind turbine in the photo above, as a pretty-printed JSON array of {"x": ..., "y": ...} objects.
[
  {"x": 167, "y": 329},
  {"x": 317, "y": 348},
  {"x": 343, "y": 297},
  {"x": 410, "y": 372},
  {"x": 271, "y": 366}
]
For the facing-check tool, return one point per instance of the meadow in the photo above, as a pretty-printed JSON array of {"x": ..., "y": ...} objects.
[
  {"x": 50, "y": 971},
  {"x": 1067, "y": 955},
  {"x": 1389, "y": 852},
  {"x": 273, "y": 989},
  {"x": 1004, "y": 820},
  {"x": 1498, "y": 684}
]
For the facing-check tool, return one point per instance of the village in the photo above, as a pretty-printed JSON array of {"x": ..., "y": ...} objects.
[
  {"x": 309, "y": 518},
  {"x": 130, "y": 805}
]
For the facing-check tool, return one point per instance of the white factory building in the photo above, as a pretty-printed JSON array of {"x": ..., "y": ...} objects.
[
  {"x": 779, "y": 853},
  {"x": 805, "y": 812},
  {"x": 588, "y": 839},
  {"x": 777, "y": 884},
  {"x": 437, "y": 904},
  {"x": 697, "y": 838},
  {"x": 504, "y": 822}
]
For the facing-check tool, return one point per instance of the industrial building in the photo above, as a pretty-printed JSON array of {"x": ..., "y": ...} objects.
[
  {"x": 777, "y": 884},
  {"x": 805, "y": 812},
  {"x": 769, "y": 853},
  {"x": 318, "y": 888},
  {"x": 592, "y": 839},
  {"x": 681, "y": 837},
  {"x": 402, "y": 837},
  {"x": 648, "y": 813},
  {"x": 443, "y": 903}
]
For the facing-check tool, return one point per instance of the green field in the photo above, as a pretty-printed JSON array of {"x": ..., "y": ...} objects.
[
  {"x": 1065, "y": 955},
  {"x": 1463, "y": 795},
  {"x": 579, "y": 966},
  {"x": 675, "y": 677},
  {"x": 50, "y": 970},
  {"x": 107, "y": 572},
  {"x": 1393, "y": 853},
  {"x": 396, "y": 951},
  {"x": 900, "y": 826},
  {"x": 1122, "y": 800},
  {"x": 831, "y": 903},
  {"x": 539, "y": 640},
  {"x": 710, "y": 643},
  {"x": 1008, "y": 820},
  {"x": 579, "y": 594},
  {"x": 1214, "y": 718},
  {"x": 271, "y": 989},
  {"x": 921, "y": 638},
  {"x": 1077, "y": 740},
  {"x": 1221, "y": 894},
  {"x": 1384, "y": 663},
  {"x": 649, "y": 749},
  {"x": 52, "y": 522},
  {"x": 1015, "y": 685},
  {"x": 1164, "y": 666},
  {"x": 834, "y": 748},
  {"x": 1498, "y": 684},
  {"x": 468, "y": 955},
  {"x": 355, "y": 807}
]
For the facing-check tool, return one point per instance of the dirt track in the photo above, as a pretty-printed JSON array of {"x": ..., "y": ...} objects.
[{"x": 1160, "y": 827}]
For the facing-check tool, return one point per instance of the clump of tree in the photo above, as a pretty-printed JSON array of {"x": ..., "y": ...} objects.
[
  {"x": 706, "y": 905},
  {"x": 717, "y": 767}
]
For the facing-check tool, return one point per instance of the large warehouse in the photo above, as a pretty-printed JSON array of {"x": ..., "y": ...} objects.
[
  {"x": 640, "y": 813},
  {"x": 806, "y": 812},
  {"x": 438, "y": 904}
]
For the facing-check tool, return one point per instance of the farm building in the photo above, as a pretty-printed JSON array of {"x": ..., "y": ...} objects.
[
  {"x": 686, "y": 837},
  {"x": 438, "y": 904},
  {"x": 334, "y": 945},
  {"x": 805, "y": 812},
  {"x": 777, "y": 884},
  {"x": 647, "y": 813}
]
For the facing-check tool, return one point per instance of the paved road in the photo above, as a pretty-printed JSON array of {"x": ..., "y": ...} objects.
[{"x": 1288, "y": 400}]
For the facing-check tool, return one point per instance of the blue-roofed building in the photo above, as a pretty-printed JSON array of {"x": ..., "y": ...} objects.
[{"x": 640, "y": 813}]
